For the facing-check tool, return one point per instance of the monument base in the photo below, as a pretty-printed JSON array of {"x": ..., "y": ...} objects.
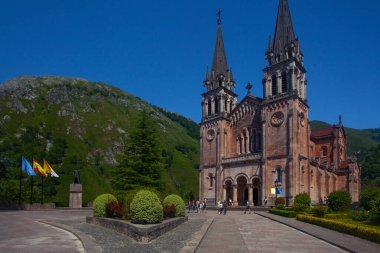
[{"x": 75, "y": 196}]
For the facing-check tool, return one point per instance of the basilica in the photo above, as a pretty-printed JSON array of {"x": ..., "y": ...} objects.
[{"x": 258, "y": 149}]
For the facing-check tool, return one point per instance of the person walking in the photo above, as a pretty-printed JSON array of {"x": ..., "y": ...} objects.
[
  {"x": 224, "y": 207},
  {"x": 247, "y": 207}
]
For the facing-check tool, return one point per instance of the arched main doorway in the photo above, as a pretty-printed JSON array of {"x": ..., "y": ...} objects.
[
  {"x": 229, "y": 190},
  {"x": 256, "y": 191},
  {"x": 242, "y": 191}
]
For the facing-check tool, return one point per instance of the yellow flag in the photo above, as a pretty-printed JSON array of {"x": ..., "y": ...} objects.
[{"x": 48, "y": 169}]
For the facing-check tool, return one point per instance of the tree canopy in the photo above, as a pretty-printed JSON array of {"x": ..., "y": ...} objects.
[{"x": 142, "y": 163}]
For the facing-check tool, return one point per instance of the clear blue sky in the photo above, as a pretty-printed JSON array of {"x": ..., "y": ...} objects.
[{"x": 159, "y": 50}]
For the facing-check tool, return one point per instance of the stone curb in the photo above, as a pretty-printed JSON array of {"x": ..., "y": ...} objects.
[
  {"x": 88, "y": 242},
  {"x": 327, "y": 240},
  {"x": 192, "y": 245},
  {"x": 140, "y": 233}
]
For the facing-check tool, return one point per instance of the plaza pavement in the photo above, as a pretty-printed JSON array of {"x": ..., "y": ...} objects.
[{"x": 65, "y": 230}]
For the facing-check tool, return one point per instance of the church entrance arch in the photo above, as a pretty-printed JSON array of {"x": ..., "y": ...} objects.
[
  {"x": 242, "y": 190},
  {"x": 229, "y": 190},
  {"x": 256, "y": 191}
]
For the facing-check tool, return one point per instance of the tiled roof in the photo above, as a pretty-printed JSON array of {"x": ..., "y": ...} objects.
[{"x": 321, "y": 133}]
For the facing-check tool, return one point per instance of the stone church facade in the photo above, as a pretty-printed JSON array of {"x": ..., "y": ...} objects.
[{"x": 253, "y": 147}]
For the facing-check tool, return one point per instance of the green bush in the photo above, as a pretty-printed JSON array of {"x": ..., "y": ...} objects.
[
  {"x": 284, "y": 213},
  {"x": 339, "y": 201},
  {"x": 280, "y": 200},
  {"x": 360, "y": 216},
  {"x": 298, "y": 207},
  {"x": 178, "y": 202},
  {"x": 319, "y": 211},
  {"x": 356, "y": 230},
  {"x": 99, "y": 206},
  {"x": 146, "y": 208},
  {"x": 375, "y": 210},
  {"x": 281, "y": 206},
  {"x": 367, "y": 195},
  {"x": 302, "y": 199}
]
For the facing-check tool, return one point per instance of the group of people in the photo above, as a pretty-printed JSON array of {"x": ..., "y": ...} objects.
[
  {"x": 222, "y": 207},
  {"x": 324, "y": 201},
  {"x": 196, "y": 206}
]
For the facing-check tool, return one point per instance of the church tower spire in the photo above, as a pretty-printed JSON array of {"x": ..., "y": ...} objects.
[
  {"x": 219, "y": 98},
  {"x": 219, "y": 62},
  {"x": 285, "y": 74}
]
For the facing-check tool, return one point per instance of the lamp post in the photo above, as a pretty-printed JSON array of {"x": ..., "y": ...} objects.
[{"x": 275, "y": 192}]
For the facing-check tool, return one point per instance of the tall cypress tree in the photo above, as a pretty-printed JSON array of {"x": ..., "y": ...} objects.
[{"x": 142, "y": 163}]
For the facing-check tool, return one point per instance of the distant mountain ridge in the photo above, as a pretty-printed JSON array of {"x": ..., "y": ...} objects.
[{"x": 77, "y": 124}]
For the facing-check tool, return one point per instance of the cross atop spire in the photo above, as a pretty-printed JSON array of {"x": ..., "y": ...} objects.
[{"x": 219, "y": 13}]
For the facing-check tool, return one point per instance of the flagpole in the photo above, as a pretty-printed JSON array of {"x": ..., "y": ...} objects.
[
  {"x": 31, "y": 191},
  {"x": 19, "y": 197},
  {"x": 42, "y": 199}
]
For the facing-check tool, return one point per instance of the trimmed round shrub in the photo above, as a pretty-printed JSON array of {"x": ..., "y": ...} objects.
[
  {"x": 146, "y": 208},
  {"x": 178, "y": 202},
  {"x": 319, "y": 211},
  {"x": 303, "y": 199},
  {"x": 339, "y": 201},
  {"x": 99, "y": 206},
  {"x": 281, "y": 206},
  {"x": 302, "y": 202}
]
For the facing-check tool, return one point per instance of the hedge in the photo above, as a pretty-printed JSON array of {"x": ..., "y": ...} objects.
[
  {"x": 178, "y": 202},
  {"x": 99, "y": 206},
  {"x": 356, "y": 230},
  {"x": 284, "y": 213}
]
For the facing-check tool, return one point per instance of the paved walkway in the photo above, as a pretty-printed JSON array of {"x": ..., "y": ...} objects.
[
  {"x": 238, "y": 232},
  {"x": 60, "y": 231},
  {"x": 345, "y": 241},
  {"x": 24, "y": 231}
]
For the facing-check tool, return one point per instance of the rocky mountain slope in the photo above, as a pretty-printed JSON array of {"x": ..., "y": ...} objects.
[{"x": 77, "y": 124}]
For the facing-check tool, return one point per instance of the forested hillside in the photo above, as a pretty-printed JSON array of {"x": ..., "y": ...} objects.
[{"x": 76, "y": 124}]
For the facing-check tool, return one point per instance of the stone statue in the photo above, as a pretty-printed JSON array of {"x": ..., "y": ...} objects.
[{"x": 76, "y": 177}]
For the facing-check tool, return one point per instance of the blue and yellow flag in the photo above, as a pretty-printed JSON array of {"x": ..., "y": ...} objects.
[{"x": 25, "y": 166}]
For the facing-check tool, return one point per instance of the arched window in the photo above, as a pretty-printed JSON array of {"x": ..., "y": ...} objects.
[
  {"x": 274, "y": 85},
  {"x": 209, "y": 107},
  {"x": 324, "y": 151},
  {"x": 211, "y": 179},
  {"x": 279, "y": 175},
  {"x": 225, "y": 104},
  {"x": 245, "y": 143},
  {"x": 216, "y": 105},
  {"x": 240, "y": 145},
  {"x": 284, "y": 82}
]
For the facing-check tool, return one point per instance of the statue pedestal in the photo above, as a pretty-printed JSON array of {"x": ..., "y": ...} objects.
[{"x": 75, "y": 196}]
